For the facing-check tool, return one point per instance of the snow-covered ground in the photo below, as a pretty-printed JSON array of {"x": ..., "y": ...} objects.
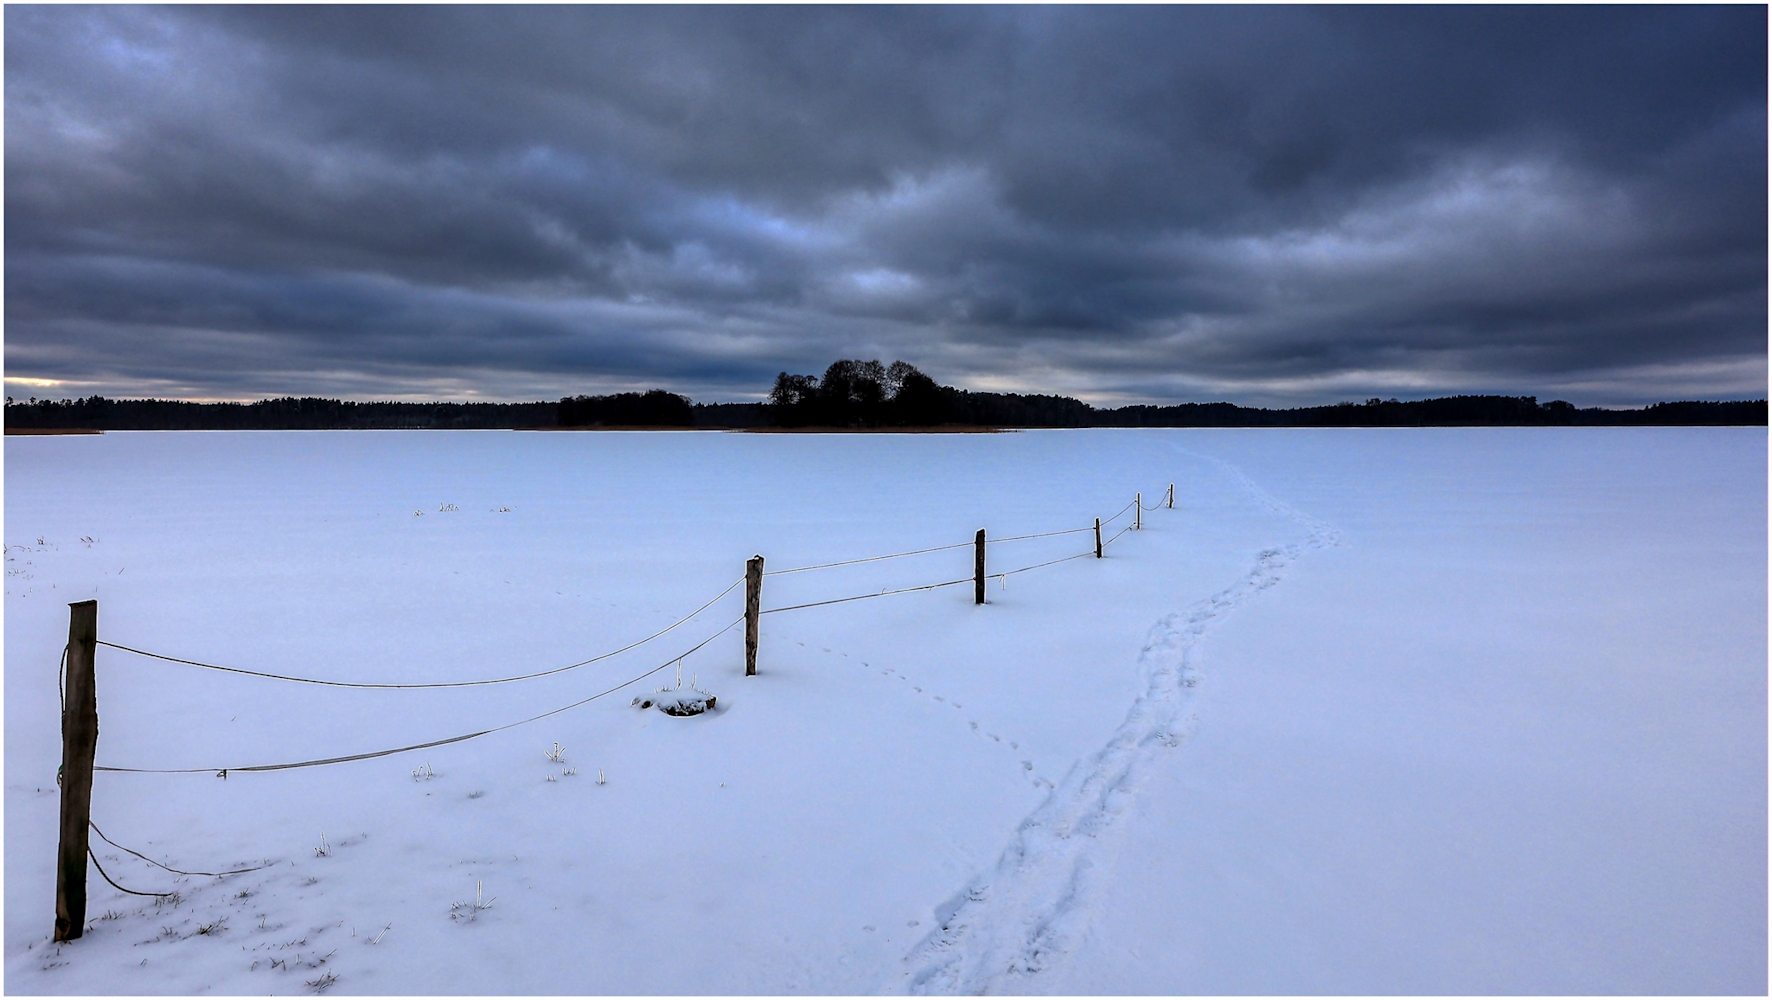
[{"x": 1425, "y": 711}]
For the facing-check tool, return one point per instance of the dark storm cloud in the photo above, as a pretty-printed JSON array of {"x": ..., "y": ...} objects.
[{"x": 1262, "y": 204}]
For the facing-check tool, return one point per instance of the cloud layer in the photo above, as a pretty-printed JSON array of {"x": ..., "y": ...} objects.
[{"x": 1267, "y": 205}]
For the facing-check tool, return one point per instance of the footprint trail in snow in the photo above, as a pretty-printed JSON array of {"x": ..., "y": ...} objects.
[{"x": 1012, "y": 921}]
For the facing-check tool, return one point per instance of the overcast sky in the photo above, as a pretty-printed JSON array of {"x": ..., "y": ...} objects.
[{"x": 1272, "y": 206}]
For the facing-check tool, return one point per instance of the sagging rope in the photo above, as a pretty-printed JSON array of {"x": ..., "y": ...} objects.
[
  {"x": 919, "y": 552},
  {"x": 863, "y": 597},
  {"x": 942, "y": 548},
  {"x": 1117, "y": 514},
  {"x": 1081, "y": 555},
  {"x": 151, "y": 861},
  {"x": 114, "y": 885},
  {"x": 1043, "y": 534},
  {"x": 440, "y": 684},
  {"x": 953, "y": 583},
  {"x": 222, "y": 772},
  {"x": 852, "y": 562},
  {"x": 949, "y": 583}
]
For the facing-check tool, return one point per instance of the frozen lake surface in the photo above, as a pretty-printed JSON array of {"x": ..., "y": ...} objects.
[{"x": 1369, "y": 711}]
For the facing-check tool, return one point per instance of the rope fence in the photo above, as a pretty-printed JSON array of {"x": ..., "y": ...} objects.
[{"x": 75, "y": 687}]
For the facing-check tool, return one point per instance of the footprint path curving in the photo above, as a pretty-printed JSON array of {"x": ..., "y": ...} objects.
[{"x": 1011, "y": 922}]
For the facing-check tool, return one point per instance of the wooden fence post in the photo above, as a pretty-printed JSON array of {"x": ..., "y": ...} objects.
[
  {"x": 1137, "y": 511},
  {"x": 753, "y": 607},
  {"x": 1171, "y": 496},
  {"x": 978, "y": 567},
  {"x": 1098, "y": 538},
  {"x": 79, "y": 743}
]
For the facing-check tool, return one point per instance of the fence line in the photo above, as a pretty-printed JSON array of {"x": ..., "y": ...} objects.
[{"x": 80, "y": 731}]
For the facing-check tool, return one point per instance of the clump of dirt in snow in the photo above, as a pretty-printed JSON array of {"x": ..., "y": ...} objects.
[{"x": 677, "y": 701}]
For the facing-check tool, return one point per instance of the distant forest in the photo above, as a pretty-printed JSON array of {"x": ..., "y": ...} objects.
[{"x": 850, "y": 395}]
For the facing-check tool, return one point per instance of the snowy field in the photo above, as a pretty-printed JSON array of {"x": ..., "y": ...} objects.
[{"x": 1369, "y": 711}]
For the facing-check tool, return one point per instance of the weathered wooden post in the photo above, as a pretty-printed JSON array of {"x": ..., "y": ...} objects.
[
  {"x": 1098, "y": 538},
  {"x": 1137, "y": 511},
  {"x": 753, "y": 607},
  {"x": 1171, "y": 496},
  {"x": 79, "y": 743},
  {"x": 978, "y": 567}
]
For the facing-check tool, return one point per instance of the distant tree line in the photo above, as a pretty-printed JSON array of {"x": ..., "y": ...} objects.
[
  {"x": 1447, "y": 411},
  {"x": 850, "y": 394},
  {"x": 287, "y": 413},
  {"x": 867, "y": 394},
  {"x": 656, "y": 408}
]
